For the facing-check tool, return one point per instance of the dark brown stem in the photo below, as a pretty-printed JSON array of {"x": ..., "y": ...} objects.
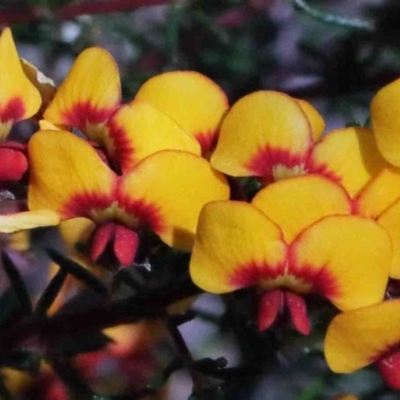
[{"x": 29, "y": 13}]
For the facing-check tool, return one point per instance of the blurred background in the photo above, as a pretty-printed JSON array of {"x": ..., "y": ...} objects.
[{"x": 335, "y": 55}]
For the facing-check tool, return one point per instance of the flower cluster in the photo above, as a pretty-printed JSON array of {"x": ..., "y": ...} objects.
[{"x": 322, "y": 217}]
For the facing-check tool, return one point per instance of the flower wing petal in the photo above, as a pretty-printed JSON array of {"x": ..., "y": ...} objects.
[
  {"x": 354, "y": 253},
  {"x": 262, "y": 131},
  {"x": 359, "y": 337},
  {"x": 67, "y": 175},
  {"x": 28, "y": 220},
  {"x": 295, "y": 203},
  {"x": 234, "y": 243},
  {"x": 174, "y": 186},
  {"x": 314, "y": 117}
]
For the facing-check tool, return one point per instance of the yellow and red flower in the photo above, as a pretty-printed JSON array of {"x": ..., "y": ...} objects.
[
  {"x": 19, "y": 100},
  {"x": 368, "y": 335},
  {"x": 296, "y": 238}
]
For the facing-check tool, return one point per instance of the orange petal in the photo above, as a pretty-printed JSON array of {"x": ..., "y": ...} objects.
[
  {"x": 379, "y": 194},
  {"x": 295, "y": 203},
  {"x": 348, "y": 270},
  {"x": 89, "y": 95},
  {"x": 68, "y": 176},
  {"x": 390, "y": 219},
  {"x": 386, "y": 121},
  {"x": 265, "y": 134},
  {"x": 235, "y": 246},
  {"x": 314, "y": 117},
  {"x": 19, "y": 99},
  {"x": 360, "y": 337},
  {"x": 349, "y": 156},
  {"x": 138, "y": 129},
  {"x": 28, "y": 220},
  {"x": 170, "y": 188},
  {"x": 191, "y": 99}
]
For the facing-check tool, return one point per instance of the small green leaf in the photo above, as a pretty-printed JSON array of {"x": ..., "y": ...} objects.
[
  {"x": 51, "y": 292},
  {"x": 17, "y": 284},
  {"x": 78, "y": 272}
]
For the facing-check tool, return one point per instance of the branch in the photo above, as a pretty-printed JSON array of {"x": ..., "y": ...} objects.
[{"x": 16, "y": 15}]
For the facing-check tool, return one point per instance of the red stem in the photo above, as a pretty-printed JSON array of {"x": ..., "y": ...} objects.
[{"x": 31, "y": 13}]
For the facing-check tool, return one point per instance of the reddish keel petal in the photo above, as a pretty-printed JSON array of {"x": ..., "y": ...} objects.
[
  {"x": 125, "y": 245},
  {"x": 298, "y": 312},
  {"x": 270, "y": 304},
  {"x": 389, "y": 367},
  {"x": 101, "y": 238},
  {"x": 13, "y": 165}
]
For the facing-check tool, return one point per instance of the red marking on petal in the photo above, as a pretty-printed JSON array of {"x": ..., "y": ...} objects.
[
  {"x": 208, "y": 141},
  {"x": 298, "y": 312},
  {"x": 126, "y": 242},
  {"x": 147, "y": 214},
  {"x": 322, "y": 169},
  {"x": 389, "y": 368},
  {"x": 262, "y": 164},
  {"x": 124, "y": 151},
  {"x": 103, "y": 235},
  {"x": 252, "y": 274},
  {"x": 270, "y": 304},
  {"x": 13, "y": 110},
  {"x": 81, "y": 204},
  {"x": 83, "y": 113},
  {"x": 13, "y": 164}
]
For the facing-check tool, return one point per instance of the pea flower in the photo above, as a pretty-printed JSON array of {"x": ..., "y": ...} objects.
[
  {"x": 185, "y": 102},
  {"x": 295, "y": 239},
  {"x": 164, "y": 192},
  {"x": 19, "y": 100},
  {"x": 368, "y": 335},
  {"x": 272, "y": 136}
]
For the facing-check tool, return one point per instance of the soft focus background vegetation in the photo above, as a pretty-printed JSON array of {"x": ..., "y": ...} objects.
[{"x": 244, "y": 45}]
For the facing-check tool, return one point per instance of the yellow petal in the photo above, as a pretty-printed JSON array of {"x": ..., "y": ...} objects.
[
  {"x": 234, "y": 244},
  {"x": 19, "y": 241},
  {"x": 139, "y": 129},
  {"x": 42, "y": 83},
  {"x": 386, "y": 121},
  {"x": 357, "y": 338},
  {"x": 350, "y": 156},
  {"x": 390, "y": 219},
  {"x": 191, "y": 99},
  {"x": 314, "y": 117},
  {"x": 353, "y": 255},
  {"x": 264, "y": 134},
  {"x": 27, "y": 220},
  {"x": 89, "y": 95},
  {"x": 174, "y": 186},
  {"x": 295, "y": 203},
  {"x": 46, "y": 125},
  {"x": 67, "y": 175},
  {"x": 19, "y": 99},
  {"x": 379, "y": 194}
]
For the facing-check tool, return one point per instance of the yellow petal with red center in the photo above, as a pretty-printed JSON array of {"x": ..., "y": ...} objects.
[
  {"x": 19, "y": 99},
  {"x": 295, "y": 203},
  {"x": 139, "y": 129},
  {"x": 28, "y": 220},
  {"x": 89, "y": 95},
  {"x": 349, "y": 156},
  {"x": 167, "y": 190},
  {"x": 390, "y": 219},
  {"x": 386, "y": 121},
  {"x": 236, "y": 246},
  {"x": 265, "y": 134},
  {"x": 379, "y": 194},
  {"x": 360, "y": 337},
  {"x": 349, "y": 258},
  {"x": 42, "y": 83},
  {"x": 68, "y": 176},
  {"x": 314, "y": 117},
  {"x": 191, "y": 99}
]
